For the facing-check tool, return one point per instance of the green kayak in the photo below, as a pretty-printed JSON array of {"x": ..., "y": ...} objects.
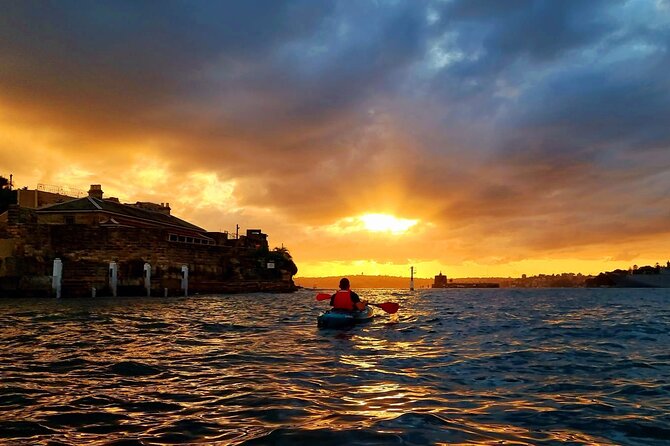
[{"x": 343, "y": 319}]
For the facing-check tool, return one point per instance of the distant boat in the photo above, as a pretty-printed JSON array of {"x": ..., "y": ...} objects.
[{"x": 646, "y": 277}]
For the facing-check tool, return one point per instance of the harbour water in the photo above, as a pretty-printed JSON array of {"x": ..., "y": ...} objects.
[{"x": 486, "y": 366}]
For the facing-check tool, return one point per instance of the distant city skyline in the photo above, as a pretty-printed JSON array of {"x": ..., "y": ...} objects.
[{"x": 476, "y": 138}]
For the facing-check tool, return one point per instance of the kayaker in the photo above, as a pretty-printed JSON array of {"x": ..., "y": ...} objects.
[{"x": 345, "y": 299}]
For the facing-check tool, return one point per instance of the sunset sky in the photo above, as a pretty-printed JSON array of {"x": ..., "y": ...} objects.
[{"x": 476, "y": 138}]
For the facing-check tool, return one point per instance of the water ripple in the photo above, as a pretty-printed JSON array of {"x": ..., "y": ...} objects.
[{"x": 514, "y": 367}]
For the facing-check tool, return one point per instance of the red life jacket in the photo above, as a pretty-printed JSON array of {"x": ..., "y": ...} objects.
[{"x": 343, "y": 301}]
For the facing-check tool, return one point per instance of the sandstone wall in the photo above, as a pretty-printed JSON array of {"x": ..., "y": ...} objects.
[{"x": 86, "y": 252}]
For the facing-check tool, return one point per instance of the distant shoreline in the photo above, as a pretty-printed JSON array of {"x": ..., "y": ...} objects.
[{"x": 565, "y": 280}]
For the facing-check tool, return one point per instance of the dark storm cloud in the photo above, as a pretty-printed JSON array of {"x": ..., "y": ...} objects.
[
  {"x": 613, "y": 105},
  {"x": 127, "y": 57},
  {"x": 206, "y": 72},
  {"x": 541, "y": 30},
  {"x": 138, "y": 38},
  {"x": 494, "y": 113},
  {"x": 502, "y": 40}
]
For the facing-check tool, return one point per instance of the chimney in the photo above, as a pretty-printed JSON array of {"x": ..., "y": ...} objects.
[{"x": 95, "y": 191}]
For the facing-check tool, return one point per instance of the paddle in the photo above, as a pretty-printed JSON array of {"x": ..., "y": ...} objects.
[
  {"x": 389, "y": 307},
  {"x": 322, "y": 296}
]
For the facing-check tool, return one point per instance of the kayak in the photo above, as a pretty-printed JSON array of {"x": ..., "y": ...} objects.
[{"x": 343, "y": 319}]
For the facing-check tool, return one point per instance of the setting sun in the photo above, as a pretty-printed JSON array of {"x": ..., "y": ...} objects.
[
  {"x": 386, "y": 223},
  {"x": 382, "y": 223}
]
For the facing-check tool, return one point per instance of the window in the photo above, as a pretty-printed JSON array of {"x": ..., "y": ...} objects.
[
  {"x": 69, "y": 219},
  {"x": 191, "y": 240}
]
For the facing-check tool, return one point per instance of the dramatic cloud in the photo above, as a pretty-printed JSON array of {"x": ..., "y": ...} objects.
[{"x": 521, "y": 136}]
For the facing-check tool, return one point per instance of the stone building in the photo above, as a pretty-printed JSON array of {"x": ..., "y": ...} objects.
[
  {"x": 440, "y": 281},
  {"x": 89, "y": 233}
]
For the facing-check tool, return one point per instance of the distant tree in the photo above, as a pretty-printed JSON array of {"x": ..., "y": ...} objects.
[
  {"x": 284, "y": 260},
  {"x": 7, "y": 196},
  {"x": 647, "y": 270},
  {"x": 284, "y": 252},
  {"x": 280, "y": 257},
  {"x": 601, "y": 280}
]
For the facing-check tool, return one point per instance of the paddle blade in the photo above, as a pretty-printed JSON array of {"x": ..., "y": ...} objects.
[
  {"x": 322, "y": 296},
  {"x": 389, "y": 307}
]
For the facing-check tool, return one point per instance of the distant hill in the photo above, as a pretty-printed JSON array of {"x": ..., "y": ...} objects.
[{"x": 360, "y": 281}]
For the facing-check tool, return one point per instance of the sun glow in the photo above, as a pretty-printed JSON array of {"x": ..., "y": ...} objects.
[
  {"x": 386, "y": 223},
  {"x": 383, "y": 223}
]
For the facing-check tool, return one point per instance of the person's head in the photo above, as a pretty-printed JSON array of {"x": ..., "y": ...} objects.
[{"x": 344, "y": 283}]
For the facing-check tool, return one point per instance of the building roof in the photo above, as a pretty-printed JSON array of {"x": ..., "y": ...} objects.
[{"x": 90, "y": 204}]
